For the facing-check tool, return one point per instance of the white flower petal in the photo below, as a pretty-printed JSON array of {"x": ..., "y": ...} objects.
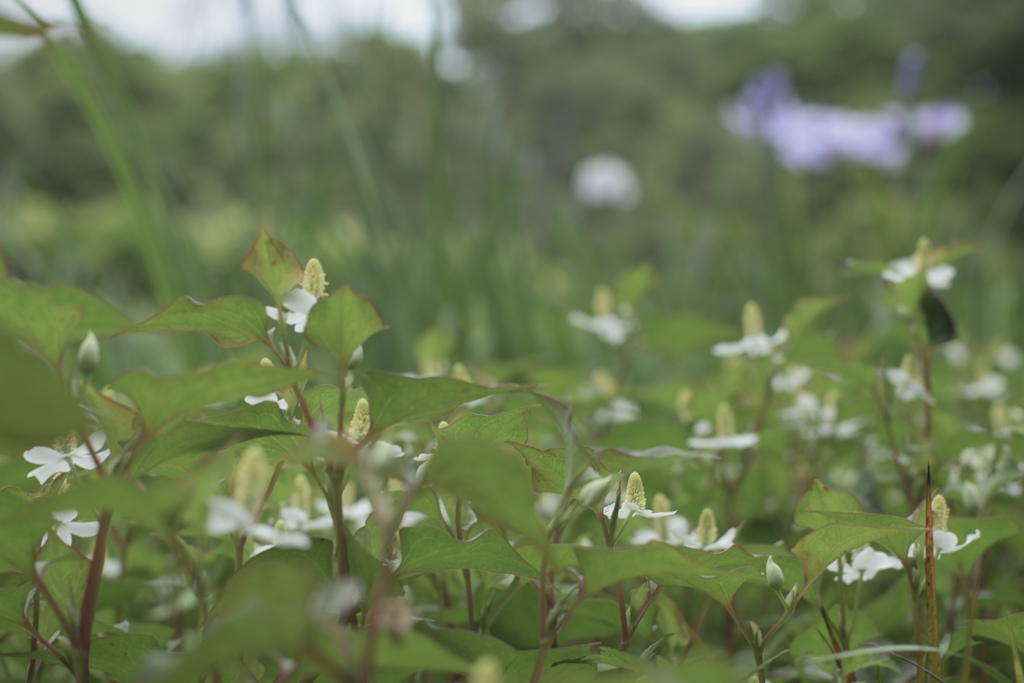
[
  {"x": 43, "y": 455},
  {"x": 227, "y": 516},
  {"x": 717, "y": 443}
]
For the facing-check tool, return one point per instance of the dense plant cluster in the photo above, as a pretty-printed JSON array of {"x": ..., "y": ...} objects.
[{"x": 288, "y": 515}]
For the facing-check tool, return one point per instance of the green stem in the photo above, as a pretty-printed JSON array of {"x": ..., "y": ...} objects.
[{"x": 91, "y": 599}]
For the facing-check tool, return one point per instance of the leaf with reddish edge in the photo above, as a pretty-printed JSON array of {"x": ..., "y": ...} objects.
[
  {"x": 341, "y": 322},
  {"x": 230, "y": 321},
  {"x": 272, "y": 263}
]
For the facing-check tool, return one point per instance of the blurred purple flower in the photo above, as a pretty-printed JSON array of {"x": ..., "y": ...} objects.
[{"x": 939, "y": 123}]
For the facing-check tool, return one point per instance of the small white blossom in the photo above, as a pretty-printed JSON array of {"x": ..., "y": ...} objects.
[
  {"x": 938, "y": 277},
  {"x": 297, "y": 304},
  {"x": 620, "y": 411},
  {"x": 679, "y": 533},
  {"x": 228, "y": 516},
  {"x": 66, "y": 528},
  {"x": 627, "y": 510},
  {"x": 792, "y": 379},
  {"x": 1008, "y": 357},
  {"x": 359, "y": 512},
  {"x": 609, "y": 328},
  {"x": 724, "y": 443},
  {"x": 957, "y": 353},
  {"x": 864, "y": 565},
  {"x": 52, "y": 462},
  {"x": 757, "y": 345},
  {"x": 905, "y": 387},
  {"x": 945, "y": 542},
  {"x": 989, "y": 387}
]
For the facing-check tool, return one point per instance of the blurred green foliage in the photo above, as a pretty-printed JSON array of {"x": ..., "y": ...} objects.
[{"x": 408, "y": 186}]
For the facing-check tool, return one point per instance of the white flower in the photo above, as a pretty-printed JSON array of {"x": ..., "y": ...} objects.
[
  {"x": 66, "y": 528},
  {"x": 938, "y": 277},
  {"x": 1008, "y": 357},
  {"x": 297, "y": 304},
  {"x": 723, "y": 443},
  {"x": 359, "y": 512},
  {"x": 606, "y": 180},
  {"x": 272, "y": 397},
  {"x": 864, "y": 565},
  {"x": 817, "y": 420},
  {"x": 946, "y": 542},
  {"x": 988, "y": 387},
  {"x": 228, "y": 516},
  {"x": 679, "y": 533},
  {"x": 905, "y": 387},
  {"x": 757, "y": 345},
  {"x": 297, "y": 519},
  {"x": 627, "y": 510},
  {"x": 609, "y": 328},
  {"x": 53, "y": 462},
  {"x": 620, "y": 411},
  {"x": 957, "y": 353},
  {"x": 792, "y": 379}
]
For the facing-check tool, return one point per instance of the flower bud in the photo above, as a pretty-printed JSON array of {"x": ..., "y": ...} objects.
[
  {"x": 773, "y": 572},
  {"x": 486, "y": 669},
  {"x": 940, "y": 513},
  {"x": 594, "y": 491},
  {"x": 356, "y": 358},
  {"x": 89, "y": 354},
  {"x": 755, "y": 631}
]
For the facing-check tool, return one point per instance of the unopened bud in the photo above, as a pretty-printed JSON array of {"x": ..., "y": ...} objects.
[
  {"x": 725, "y": 420},
  {"x": 442, "y": 424},
  {"x": 359, "y": 427},
  {"x": 707, "y": 527},
  {"x": 266, "y": 363},
  {"x": 635, "y": 491},
  {"x": 940, "y": 513},
  {"x": 356, "y": 358},
  {"x": 594, "y": 491},
  {"x": 921, "y": 261},
  {"x": 755, "y": 631},
  {"x": 314, "y": 280},
  {"x": 790, "y": 597},
  {"x": 773, "y": 573},
  {"x": 89, "y": 354},
  {"x": 753, "y": 320}
]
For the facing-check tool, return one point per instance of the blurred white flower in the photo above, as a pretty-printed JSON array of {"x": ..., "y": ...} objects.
[
  {"x": 757, "y": 345},
  {"x": 621, "y": 410},
  {"x": 359, "y": 512},
  {"x": 989, "y": 387},
  {"x": 905, "y": 387},
  {"x": 723, "y": 443},
  {"x": 938, "y": 277},
  {"x": 1008, "y": 357},
  {"x": 678, "y": 532},
  {"x": 820, "y": 420},
  {"x": 228, "y": 516},
  {"x": 864, "y": 565},
  {"x": 297, "y": 304},
  {"x": 792, "y": 379},
  {"x": 609, "y": 328},
  {"x": 606, "y": 181},
  {"x": 957, "y": 353},
  {"x": 52, "y": 461}
]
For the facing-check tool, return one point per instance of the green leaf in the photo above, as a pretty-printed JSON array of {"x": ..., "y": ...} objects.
[
  {"x": 230, "y": 321},
  {"x": 341, "y": 322},
  {"x": 825, "y": 545},
  {"x": 30, "y": 316},
  {"x": 719, "y": 575},
  {"x": 470, "y": 645},
  {"x": 560, "y": 664},
  {"x": 625, "y": 460},
  {"x": 501, "y": 428},
  {"x": 272, "y": 263},
  {"x": 262, "y": 417},
  {"x": 119, "y": 656},
  {"x": 428, "y": 549},
  {"x": 993, "y": 530},
  {"x": 22, "y": 532},
  {"x": 188, "y": 440},
  {"x": 683, "y": 334},
  {"x": 1005, "y": 630},
  {"x": 547, "y": 466},
  {"x": 162, "y": 399},
  {"x": 806, "y": 310},
  {"x": 820, "y": 498},
  {"x": 97, "y": 314},
  {"x": 35, "y": 408},
  {"x": 118, "y": 421},
  {"x": 400, "y": 398},
  {"x": 11, "y": 27},
  {"x": 494, "y": 480}
]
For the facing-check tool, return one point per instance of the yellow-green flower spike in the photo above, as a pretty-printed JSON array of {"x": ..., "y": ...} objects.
[
  {"x": 266, "y": 363},
  {"x": 314, "y": 280},
  {"x": 604, "y": 382},
  {"x": 924, "y": 245},
  {"x": 635, "y": 491},
  {"x": 725, "y": 420},
  {"x": 250, "y": 479},
  {"x": 302, "y": 493},
  {"x": 66, "y": 443},
  {"x": 907, "y": 365},
  {"x": 280, "y": 529},
  {"x": 707, "y": 527},
  {"x": 603, "y": 300},
  {"x": 753, "y": 320},
  {"x": 940, "y": 513},
  {"x": 442, "y": 424},
  {"x": 661, "y": 503},
  {"x": 998, "y": 417},
  {"x": 684, "y": 399},
  {"x": 461, "y": 372},
  {"x": 359, "y": 427}
]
